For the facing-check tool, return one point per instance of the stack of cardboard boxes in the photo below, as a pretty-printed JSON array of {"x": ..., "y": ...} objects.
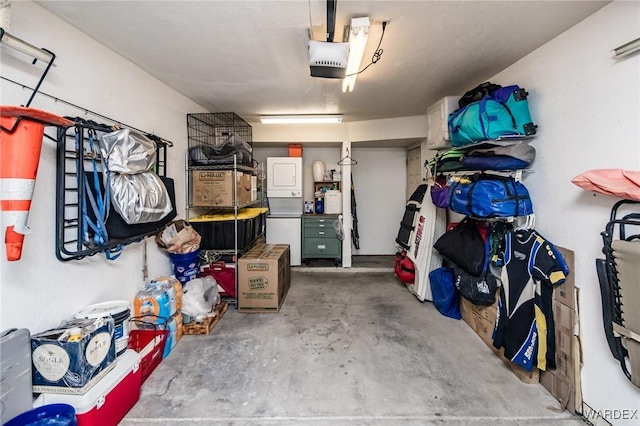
[
  {"x": 564, "y": 381},
  {"x": 482, "y": 320}
]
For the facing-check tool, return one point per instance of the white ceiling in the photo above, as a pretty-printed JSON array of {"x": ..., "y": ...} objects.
[{"x": 250, "y": 57}]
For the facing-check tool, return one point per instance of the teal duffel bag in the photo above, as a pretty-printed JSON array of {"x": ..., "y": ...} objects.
[{"x": 503, "y": 113}]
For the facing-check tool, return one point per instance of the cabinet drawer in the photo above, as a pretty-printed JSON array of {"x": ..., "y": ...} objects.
[
  {"x": 322, "y": 247},
  {"x": 321, "y": 221},
  {"x": 319, "y": 232}
]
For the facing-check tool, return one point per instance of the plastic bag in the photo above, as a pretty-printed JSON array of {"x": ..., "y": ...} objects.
[
  {"x": 127, "y": 151},
  {"x": 139, "y": 198},
  {"x": 337, "y": 226},
  {"x": 445, "y": 294},
  {"x": 199, "y": 297},
  {"x": 137, "y": 194}
]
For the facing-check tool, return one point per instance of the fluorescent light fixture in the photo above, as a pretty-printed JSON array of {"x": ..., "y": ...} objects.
[
  {"x": 301, "y": 119},
  {"x": 358, "y": 35},
  {"x": 624, "y": 50},
  {"x": 24, "y": 47}
]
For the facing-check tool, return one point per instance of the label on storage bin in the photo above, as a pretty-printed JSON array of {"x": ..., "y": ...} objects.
[
  {"x": 51, "y": 361},
  {"x": 98, "y": 348},
  {"x": 258, "y": 283}
]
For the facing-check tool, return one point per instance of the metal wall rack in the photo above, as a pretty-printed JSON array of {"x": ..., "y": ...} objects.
[{"x": 75, "y": 156}]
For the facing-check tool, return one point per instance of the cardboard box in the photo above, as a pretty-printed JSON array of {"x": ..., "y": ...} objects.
[
  {"x": 264, "y": 278},
  {"x": 254, "y": 188},
  {"x": 244, "y": 188},
  {"x": 564, "y": 382},
  {"x": 565, "y": 292},
  {"x": 214, "y": 188},
  {"x": 64, "y": 363},
  {"x": 560, "y": 389},
  {"x": 482, "y": 320}
]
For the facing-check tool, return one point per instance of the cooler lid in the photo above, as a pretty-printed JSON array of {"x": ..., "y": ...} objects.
[{"x": 101, "y": 310}]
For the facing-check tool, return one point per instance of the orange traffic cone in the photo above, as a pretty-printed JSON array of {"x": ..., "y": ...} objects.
[{"x": 21, "y": 132}]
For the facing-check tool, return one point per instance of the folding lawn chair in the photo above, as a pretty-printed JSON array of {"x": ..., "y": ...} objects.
[{"x": 619, "y": 277}]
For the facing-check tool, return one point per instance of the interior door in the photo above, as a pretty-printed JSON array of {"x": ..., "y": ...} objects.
[{"x": 414, "y": 168}]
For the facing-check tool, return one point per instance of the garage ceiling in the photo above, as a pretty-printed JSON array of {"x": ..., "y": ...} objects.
[{"x": 250, "y": 57}]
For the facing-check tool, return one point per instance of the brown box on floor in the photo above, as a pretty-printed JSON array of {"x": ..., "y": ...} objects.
[
  {"x": 564, "y": 382},
  {"x": 482, "y": 320},
  {"x": 263, "y": 278}
]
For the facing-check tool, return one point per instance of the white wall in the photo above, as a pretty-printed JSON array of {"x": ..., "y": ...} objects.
[
  {"x": 379, "y": 181},
  {"x": 587, "y": 106},
  {"x": 38, "y": 291}
]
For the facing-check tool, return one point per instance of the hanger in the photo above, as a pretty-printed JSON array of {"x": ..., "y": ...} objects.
[
  {"x": 352, "y": 162},
  {"x": 526, "y": 222}
]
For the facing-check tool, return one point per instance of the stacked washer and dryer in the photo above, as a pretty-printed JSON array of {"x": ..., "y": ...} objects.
[{"x": 284, "y": 194}]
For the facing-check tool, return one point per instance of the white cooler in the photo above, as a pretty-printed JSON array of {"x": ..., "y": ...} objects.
[{"x": 333, "y": 202}]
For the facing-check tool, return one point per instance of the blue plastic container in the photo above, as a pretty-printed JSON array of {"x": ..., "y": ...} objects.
[
  {"x": 186, "y": 266},
  {"x": 47, "y": 415}
]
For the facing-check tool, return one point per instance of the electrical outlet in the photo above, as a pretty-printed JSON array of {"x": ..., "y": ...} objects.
[{"x": 380, "y": 21}]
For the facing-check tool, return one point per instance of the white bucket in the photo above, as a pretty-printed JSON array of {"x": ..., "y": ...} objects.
[{"x": 120, "y": 311}]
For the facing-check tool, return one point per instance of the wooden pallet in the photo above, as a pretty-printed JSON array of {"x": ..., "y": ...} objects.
[{"x": 207, "y": 325}]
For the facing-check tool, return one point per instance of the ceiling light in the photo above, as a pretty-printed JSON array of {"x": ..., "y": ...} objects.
[
  {"x": 301, "y": 119},
  {"x": 358, "y": 35},
  {"x": 624, "y": 50}
]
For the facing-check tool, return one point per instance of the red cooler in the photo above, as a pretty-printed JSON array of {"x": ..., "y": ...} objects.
[{"x": 111, "y": 398}]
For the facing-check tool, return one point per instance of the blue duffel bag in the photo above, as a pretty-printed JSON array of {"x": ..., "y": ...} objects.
[
  {"x": 505, "y": 112},
  {"x": 490, "y": 196}
]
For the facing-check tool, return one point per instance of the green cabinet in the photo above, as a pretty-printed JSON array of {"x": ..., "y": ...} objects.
[{"x": 319, "y": 239}]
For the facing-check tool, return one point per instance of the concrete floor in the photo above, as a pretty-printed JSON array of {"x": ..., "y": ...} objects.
[{"x": 346, "y": 348}]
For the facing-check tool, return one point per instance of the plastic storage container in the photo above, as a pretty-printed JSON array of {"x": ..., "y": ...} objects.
[
  {"x": 217, "y": 231},
  {"x": 51, "y": 414},
  {"x": 333, "y": 202},
  {"x": 295, "y": 150}
]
